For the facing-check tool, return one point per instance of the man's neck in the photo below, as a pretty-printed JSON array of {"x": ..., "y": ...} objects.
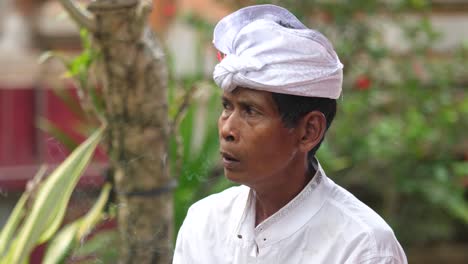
[{"x": 271, "y": 198}]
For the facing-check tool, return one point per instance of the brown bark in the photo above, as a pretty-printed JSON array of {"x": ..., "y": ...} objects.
[{"x": 132, "y": 66}]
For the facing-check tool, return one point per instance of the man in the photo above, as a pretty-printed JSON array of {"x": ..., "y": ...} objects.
[{"x": 280, "y": 81}]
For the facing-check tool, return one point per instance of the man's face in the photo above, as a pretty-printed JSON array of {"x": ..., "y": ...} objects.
[{"x": 255, "y": 145}]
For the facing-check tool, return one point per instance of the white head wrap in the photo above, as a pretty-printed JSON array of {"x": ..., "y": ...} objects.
[{"x": 268, "y": 48}]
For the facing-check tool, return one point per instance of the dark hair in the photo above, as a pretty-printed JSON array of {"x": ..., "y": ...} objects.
[{"x": 293, "y": 107}]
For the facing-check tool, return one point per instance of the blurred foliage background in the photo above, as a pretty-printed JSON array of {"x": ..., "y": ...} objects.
[{"x": 399, "y": 140}]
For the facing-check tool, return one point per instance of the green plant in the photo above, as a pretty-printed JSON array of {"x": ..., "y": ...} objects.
[
  {"x": 399, "y": 139},
  {"x": 200, "y": 173},
  {"x": 29, "y": 227},
  {"x": 71, "y": 235},
  {"x": 88, "y": 109}
]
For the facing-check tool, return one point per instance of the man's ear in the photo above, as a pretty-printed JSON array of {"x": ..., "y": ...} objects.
[{"x": 312, "y": 129}]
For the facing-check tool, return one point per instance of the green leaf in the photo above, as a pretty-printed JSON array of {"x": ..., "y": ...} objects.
[
  {"x": 460, "y": 168},
  {"x": 13, "y": 221},
  {"x": 80, "y": 63},
  {"x": 58, "y": 213},
  {"x": 62, "y": 245},
  {"x": 44, "y": 57},
  {"x": 55, "y": 131},
  {"x": 64, "y": 242},
  {"x": 45, "y": 212},
  {"x": 102, "y": 246},
  {"x": 97, "y": 100},
  {"x": 85, "y": 39},
  {"x": 66, "y": 96},
  {"x": 94, "y": 215},
  {"x": 15, "y": 217}
]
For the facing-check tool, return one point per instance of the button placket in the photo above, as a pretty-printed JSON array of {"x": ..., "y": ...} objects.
[{"x": 261, "y": 237}]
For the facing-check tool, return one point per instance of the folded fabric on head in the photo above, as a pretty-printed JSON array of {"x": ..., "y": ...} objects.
[{"x": 267, "y": 48}]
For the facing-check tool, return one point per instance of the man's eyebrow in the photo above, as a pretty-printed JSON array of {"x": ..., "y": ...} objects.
[
  {"x": 249, "y": 103},
  {"x": 243, "y": 102},
  {"x": 246, "y": 103}
]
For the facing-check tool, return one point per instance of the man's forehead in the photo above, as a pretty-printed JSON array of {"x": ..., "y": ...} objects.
[{"x": 244, "y": 93}]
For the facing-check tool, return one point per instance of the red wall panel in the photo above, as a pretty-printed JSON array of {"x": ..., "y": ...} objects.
[
  {"x": 17, "y": 128},
  {"x": 24, "y": 147}
]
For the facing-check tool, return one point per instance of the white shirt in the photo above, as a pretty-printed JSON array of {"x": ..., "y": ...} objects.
[{"x": 324, "y": 223}]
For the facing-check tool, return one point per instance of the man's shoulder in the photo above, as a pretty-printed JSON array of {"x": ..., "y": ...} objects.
[
  {"x": 353, "y": 209},
  {"x": 362, "y": 226}
]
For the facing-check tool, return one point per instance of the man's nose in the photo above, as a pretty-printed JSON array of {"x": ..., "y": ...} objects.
[{"x": 229, "y": 127}]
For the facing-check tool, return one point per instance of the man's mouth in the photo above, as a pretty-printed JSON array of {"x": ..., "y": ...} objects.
[
  {"x": 228, "y": 157},
  {"x": 230, "y": 162}
]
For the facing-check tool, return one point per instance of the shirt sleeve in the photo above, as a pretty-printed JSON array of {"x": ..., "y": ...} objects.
[
  {"x": 377, "y": 247},
  {"x": 182, "y": 251}
]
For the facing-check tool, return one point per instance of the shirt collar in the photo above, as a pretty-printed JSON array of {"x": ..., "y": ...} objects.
[{"x": 288, "y": 219}]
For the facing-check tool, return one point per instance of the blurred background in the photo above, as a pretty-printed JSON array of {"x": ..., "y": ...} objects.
[{"x": 399, "y": 141}]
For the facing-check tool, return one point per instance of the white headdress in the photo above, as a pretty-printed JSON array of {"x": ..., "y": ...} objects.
[{"x": 268, "y": 48}]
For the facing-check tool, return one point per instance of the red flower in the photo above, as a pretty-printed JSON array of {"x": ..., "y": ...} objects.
[
  {"x": 325, "y": 16},
  {"x": 220, "y": 56},
  {"x": 169, "y": 10},
  {"x": 363, "y": 83}
]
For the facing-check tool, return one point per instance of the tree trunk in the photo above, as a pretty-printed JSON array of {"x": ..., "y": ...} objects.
[{"x": 132, "y": 65}]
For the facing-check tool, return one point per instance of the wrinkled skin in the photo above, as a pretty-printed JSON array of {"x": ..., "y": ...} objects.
[
  {"x": 259, "y": 151},
  {"x": 257, "y": 146}
]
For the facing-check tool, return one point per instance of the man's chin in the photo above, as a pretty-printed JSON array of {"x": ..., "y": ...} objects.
[{"x": 235, "y": 177}]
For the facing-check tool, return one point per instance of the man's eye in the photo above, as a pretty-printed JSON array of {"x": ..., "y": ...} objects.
[
  {"x": 227, "y": 106},
  {"x": 250, "y": 111}
]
